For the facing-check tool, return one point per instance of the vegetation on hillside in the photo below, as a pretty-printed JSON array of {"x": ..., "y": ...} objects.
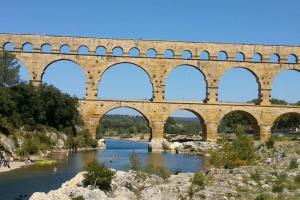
[
  {"x": 33, "y": 111},
  {"x": 239, "y": 152}
]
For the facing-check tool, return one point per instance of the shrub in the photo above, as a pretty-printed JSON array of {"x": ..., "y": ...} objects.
[
  {"x": 255, "y": 176},
  {"x": 270, "y": 143},
  {"x": 134, "y": 162},
  {"x": 277, "y": 188},
  {"x": 293, "y": 164},
  {"x": 29, "y": 146},
  {"x": 297, "y": 179},
  {"x": 241, "y": 151},
  {"x": 98, "y": 175},
  {"x": 263, "y": 197},
  {"x": 178, "y": 171},
  {"x": 78, "y": 198},
  {"x": 199, "y": 180},
  {"x": 159, "y": 171}
]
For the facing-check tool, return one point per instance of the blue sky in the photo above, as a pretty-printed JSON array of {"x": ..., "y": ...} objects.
[{"x": 236, "y": 21}]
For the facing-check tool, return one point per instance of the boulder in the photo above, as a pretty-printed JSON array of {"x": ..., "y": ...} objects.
[{"x": 101, "y": 144}]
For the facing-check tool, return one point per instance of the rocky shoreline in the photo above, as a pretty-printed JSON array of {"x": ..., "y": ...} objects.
[{"x": 265, "y": 180}]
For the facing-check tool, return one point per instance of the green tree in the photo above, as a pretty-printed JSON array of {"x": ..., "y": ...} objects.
[
  {"x": 9, "y": 69},
  {"x": 98, "y": 175}
]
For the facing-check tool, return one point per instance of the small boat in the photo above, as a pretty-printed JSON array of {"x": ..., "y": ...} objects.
[{"x": 54, "y": 169}]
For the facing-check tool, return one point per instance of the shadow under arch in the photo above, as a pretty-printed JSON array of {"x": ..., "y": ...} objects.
[
  {"x": 246, "y": 69},
  {"x": 201, "y": 130},
  {"x": 286, "y": 123},
  {"x": 191, "y": 67},
  {"x": 61, "y": 82},
  {"x": 286, "y": 78},
  {"x": 131, "y": 65},
  {"x": 131, "y": 108},
  {"x": 230, "y": 120}
]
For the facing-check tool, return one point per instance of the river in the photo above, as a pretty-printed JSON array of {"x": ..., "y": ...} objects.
[{"x": 26, "y": 180}]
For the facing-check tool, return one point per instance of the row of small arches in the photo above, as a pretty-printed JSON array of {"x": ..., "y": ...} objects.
[{"x": 134, "y": 52}]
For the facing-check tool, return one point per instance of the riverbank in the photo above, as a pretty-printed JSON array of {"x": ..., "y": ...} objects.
[
  {"x": 13, "y": 165},
  {"x": 271, "y": 177}
]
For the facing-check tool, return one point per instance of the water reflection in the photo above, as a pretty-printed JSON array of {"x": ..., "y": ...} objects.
[{"x": 156, "y": 159}]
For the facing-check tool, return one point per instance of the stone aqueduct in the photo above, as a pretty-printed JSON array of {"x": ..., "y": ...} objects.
[{"x": 158, "y": 67}]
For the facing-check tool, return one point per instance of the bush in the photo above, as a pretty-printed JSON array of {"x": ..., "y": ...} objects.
[
  {"x": 297, "y": 179},
  {"x": 199, "y": 180},
  {"x": 255, "y": 176},
  {"x": 270, "y": 143},
  {"x": 239, "y": 152},
  {"x": 29, "y": 147},
  {"x": 98, "y": 175},
  {"x": 178, "y": 171},
  {"x": 134, "y": 162},
  {"x": 263, "y": 197},
  {"x": 78, "y": 198},
  {"x": 293, "y": 164},
  {"x": 277, "y": 188},
  {"x": 159, "y": 171}
]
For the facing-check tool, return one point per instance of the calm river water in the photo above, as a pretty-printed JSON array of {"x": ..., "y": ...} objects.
[{"x": 26, "y": 180}]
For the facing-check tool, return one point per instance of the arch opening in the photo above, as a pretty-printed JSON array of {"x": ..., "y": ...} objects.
[
  {"x": 186, "y": 54},
  {"x": 239, "y": 56},
  {"x": 117, "y": 51},
  {"x": 151, "y": 53},
  {"x": 46, "y": 48},
  {"x": 184, "y": 125},
  {"x": 169, "y": 53},
  {"x": 292, "y": 58},
  {"x": 274, "y": 58},
  {"x": 124, "y": 122},
  {"x": 56, "y": 72},
  {"x": 23, "y": 72},
  {"x": 125, "y": 81},
  {"x": 222, "y": 55},
  {"x": 83, "y": 50},
  {"x": 101, "y": 51},
  {"x": 27, "y": 47},
  {"x": 287, "y": 126},
  {"x": 257, "y": 57},
  {"x": 204, "y": 55},
  {"x": 134, "y": 52},
  {"x": 65, "y": 49},
  {"x": 238, "y": 122},
  {"x": 284, "y": 87},
  {"x": 247, "y": 89},
  {"x": 186, "y": 82},
  {"x": 9, "y": 46}
]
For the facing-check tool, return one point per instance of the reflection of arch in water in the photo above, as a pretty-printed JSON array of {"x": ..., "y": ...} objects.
[{"x": 156, "y": 159}]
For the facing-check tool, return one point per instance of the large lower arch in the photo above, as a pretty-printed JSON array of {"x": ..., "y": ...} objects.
[
  {"x": 125, "y": 81},
  {"x": 239, "y": 84},
  {"x": 230, "y": 121},
  {"x": 186, "y": 82},
  {"x": 66, "y": 75},
  {"x": 287, "y": 123},
  {"x": 285, "y": 87},
  {"x": 185, "y": 122},
  {"x": 124, "y": 120}
]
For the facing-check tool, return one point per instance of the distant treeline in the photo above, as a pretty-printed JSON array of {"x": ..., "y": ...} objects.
[{"x": 111, "y": 125}]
